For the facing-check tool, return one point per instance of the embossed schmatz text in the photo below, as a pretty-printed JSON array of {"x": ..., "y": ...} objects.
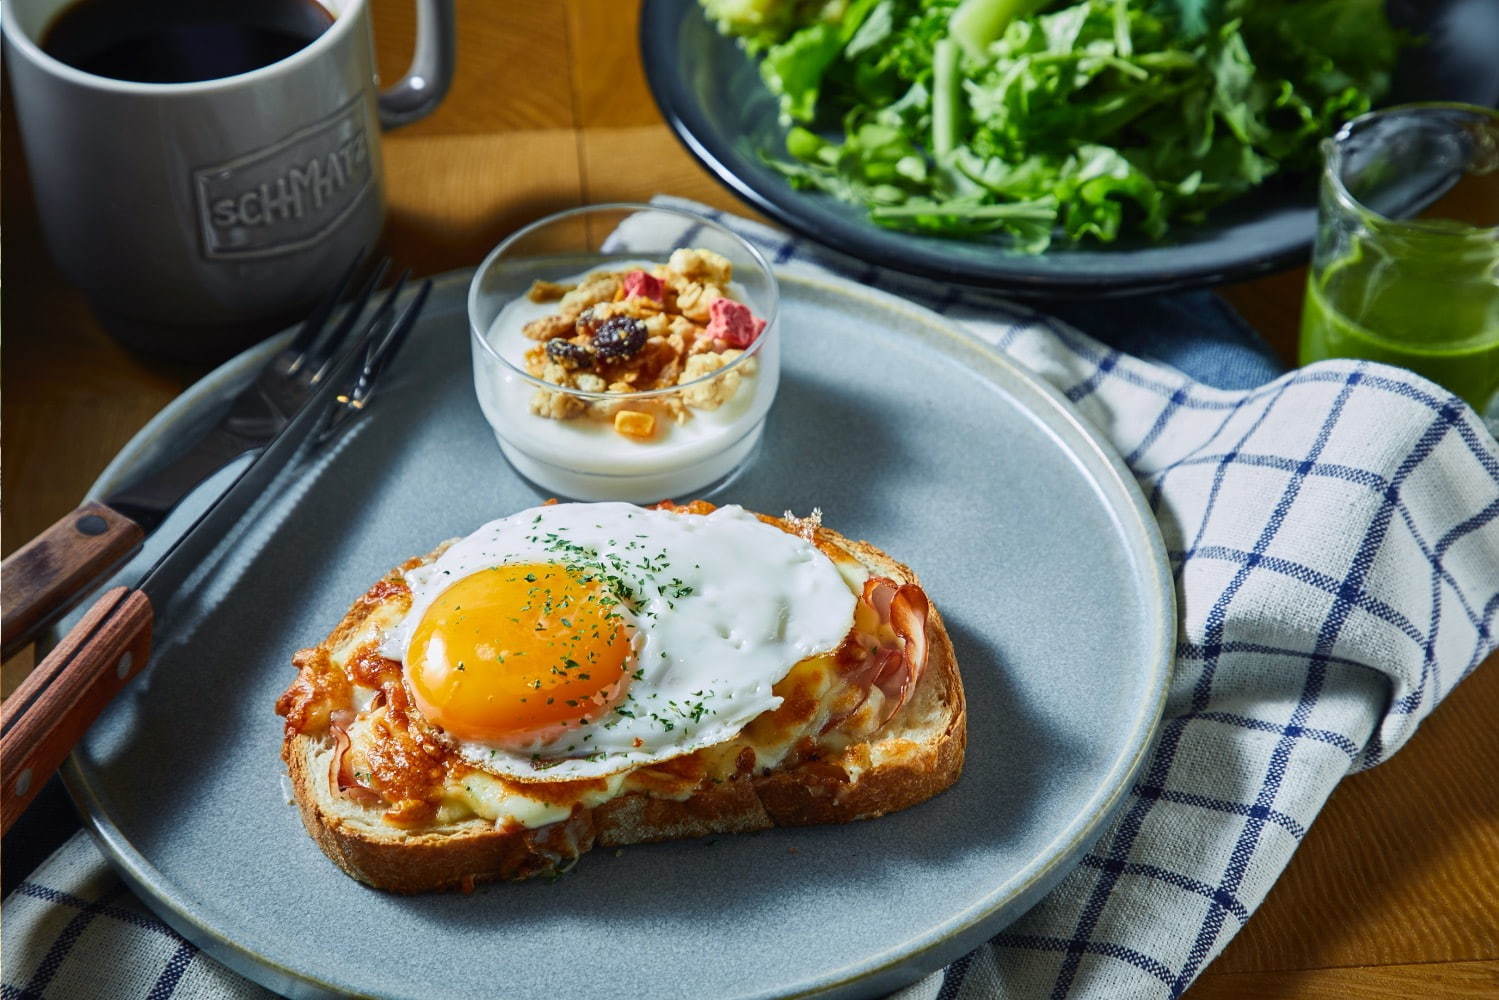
[{"x": 286, "y": 196}]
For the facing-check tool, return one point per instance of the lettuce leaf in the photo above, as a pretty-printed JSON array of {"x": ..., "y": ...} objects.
[{"x": 794, "y": 69}]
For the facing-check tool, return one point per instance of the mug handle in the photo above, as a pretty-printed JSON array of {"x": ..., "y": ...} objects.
[{"x": 418, "y": 93}]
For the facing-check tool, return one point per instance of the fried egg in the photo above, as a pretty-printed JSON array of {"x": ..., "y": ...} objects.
[{"x": 575, "y": 641}]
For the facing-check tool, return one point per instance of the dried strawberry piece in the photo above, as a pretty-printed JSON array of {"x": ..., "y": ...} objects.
[
  {"x": 733, "y": 323},
  {"x": 645, "y": 285}
]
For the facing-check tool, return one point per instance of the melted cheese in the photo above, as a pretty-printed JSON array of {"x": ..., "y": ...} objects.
[{"x": 497, "y": 800}]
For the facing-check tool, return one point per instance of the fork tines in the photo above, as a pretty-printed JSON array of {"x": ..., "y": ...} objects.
[
  {"x": 315, "y": 348},
  {"x": 380, "y": 352}
]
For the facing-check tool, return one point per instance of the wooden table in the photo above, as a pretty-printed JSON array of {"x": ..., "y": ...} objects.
[{"x": 1395, "y": 891}]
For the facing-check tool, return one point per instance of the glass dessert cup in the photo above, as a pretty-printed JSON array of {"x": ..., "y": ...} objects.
[{"x": 575, "y": 443}]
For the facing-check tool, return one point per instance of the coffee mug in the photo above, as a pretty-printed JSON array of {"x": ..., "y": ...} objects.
[{"x": 196, "y": 216}]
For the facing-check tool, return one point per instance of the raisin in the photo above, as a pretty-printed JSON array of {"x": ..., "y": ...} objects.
[
  {"x": 570, "y": 355},
  {"x": 619, "y": 337}
]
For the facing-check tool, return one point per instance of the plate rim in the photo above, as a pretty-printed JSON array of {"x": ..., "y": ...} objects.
[
  {"x": 1009, "y": 275},
  {"x": 943, "y": 941}
]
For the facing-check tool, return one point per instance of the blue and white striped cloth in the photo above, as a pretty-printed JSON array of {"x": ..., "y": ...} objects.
[{"x": 1335, "y": 538}]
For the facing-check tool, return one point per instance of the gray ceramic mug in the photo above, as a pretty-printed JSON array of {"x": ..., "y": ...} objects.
[{"x": 197, "y": 215}]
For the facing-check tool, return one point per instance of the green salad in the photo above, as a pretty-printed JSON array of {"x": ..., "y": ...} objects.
[{"x": 1043, "y": 121}]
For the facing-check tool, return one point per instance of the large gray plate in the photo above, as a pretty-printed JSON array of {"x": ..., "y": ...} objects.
[{"x": 1028, "y": 534}]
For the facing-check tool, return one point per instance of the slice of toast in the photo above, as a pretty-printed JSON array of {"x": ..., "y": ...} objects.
[{"x": 916, "y": 754}]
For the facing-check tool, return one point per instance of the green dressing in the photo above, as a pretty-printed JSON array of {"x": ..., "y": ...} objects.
[{"x": 1430, "y": 305}]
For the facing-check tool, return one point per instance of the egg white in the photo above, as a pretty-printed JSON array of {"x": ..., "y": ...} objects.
[{"x": 722, "y": 607}]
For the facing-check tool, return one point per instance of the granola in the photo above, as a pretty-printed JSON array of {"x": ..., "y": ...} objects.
[{"x": 633, "y": 331}]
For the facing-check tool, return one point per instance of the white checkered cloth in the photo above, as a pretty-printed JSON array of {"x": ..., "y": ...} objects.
[{"x": 1335, "y": 539}]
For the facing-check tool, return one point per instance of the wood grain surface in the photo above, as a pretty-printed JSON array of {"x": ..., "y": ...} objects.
[{"x": 1395, "y": 890}]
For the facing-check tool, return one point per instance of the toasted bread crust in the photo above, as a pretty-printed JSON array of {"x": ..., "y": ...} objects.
[{"x": 907, "y": 771}]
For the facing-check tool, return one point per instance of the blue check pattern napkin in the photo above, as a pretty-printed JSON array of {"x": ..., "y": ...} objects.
[{"x": 1334, "y": 534}]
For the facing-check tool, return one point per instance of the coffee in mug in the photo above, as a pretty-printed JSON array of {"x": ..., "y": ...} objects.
[
  {"x": 181, "y": 41},
  {"x": 205, "y": 169}
]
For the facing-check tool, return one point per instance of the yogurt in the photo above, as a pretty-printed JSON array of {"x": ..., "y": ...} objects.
[{"x": 586, "y": 459}]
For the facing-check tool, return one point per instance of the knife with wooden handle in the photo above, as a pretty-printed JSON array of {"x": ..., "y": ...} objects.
[
  {"x": 48, "y": 714},
  {"x": 41, "y": 577}
]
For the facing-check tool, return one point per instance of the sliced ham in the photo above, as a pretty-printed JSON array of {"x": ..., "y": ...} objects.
[
  {"x": 893, "y": 667},
  {"x": 341, "y": 775},
  {"x": 879, "y": 591}
]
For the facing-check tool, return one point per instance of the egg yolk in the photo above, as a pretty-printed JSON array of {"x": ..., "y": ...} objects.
[{"x": 519, "y": 652}]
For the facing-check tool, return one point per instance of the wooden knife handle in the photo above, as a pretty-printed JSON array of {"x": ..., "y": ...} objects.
[
  {"x": 48, "y": 714},
  {"x": 46, "y": 575}
]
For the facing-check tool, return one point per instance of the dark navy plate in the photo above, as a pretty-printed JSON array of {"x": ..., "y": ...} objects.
[{"x": 711, "y": 94}]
